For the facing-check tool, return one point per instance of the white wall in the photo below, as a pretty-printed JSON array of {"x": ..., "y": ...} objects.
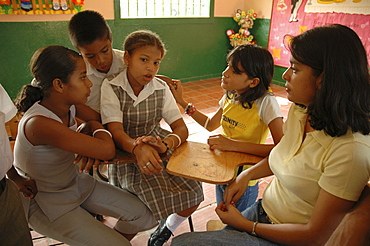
[
  {"x": 223, "y": 8},
  {"x": 227, "y": 8}
]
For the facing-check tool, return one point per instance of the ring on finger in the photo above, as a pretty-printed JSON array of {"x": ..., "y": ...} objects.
[
  {"x": 144, "y": 166},
  {"x": 148, "y": 163}
]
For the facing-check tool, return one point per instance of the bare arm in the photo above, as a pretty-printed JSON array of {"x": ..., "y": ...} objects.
[
  {"x": 328, "y": 212},
  {"x": 121, "y": 139},
  {"x": 171, "y": 141},
  {"x": 354, "y": 229},
  {"x": 315, "y": 232},
  {"x": 199, "y": 117},
  {"x": 85, "y": 113},
  {"x": 226, "y": 144},
  {"x": 238, "y": 187},
  {"x": 144, "y": 153},
  {"x": 26, "y": 186},
  {"x": 40, "y": 130},
  {"x": 213, "y": 122}
]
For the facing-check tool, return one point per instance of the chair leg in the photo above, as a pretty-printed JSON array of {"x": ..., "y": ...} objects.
[{"x": 191, "y": 224}]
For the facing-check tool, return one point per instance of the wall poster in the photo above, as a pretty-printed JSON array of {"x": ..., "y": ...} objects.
[{"x": 293, "y": 17}]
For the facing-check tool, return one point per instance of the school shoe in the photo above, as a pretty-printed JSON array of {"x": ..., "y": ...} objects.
[{"x": 160, "y": 235}]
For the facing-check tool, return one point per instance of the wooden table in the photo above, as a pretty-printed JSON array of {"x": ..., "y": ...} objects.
[{"x": 197, "y": 161}]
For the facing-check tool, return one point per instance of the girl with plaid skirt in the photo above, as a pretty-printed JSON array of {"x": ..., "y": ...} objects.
[{"x": 133, "y": 103}]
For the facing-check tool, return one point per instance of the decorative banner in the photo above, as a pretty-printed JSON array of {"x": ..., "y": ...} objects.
[
  {"x": 40, "y": 7},
  {"x": 291, "y": 17},
  {"x": 338, "y": 6}
]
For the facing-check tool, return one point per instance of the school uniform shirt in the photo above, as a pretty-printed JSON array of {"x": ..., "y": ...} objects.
[
  {"x": 112, "y": 112},
  {"x": 302, "y": 167},
  {"x": 249, "y": 124},
  {"x": 61, "y": 188},
  {"x": 7, "y": 112},
  {"x": 163, "y": 193},
  {"x": 97, "y": 78}
]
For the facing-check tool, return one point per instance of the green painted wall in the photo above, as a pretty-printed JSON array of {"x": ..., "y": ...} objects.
[{"x": 196, "y": 47}]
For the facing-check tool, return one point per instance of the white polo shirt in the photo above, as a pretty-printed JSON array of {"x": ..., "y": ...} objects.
[
  {"x": 97, "y": 78},
  {"x": 110, "y": 104}
]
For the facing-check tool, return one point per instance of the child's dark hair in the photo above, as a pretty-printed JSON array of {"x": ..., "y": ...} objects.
[
  {"x": 142, "y": 38},
  {"x": 343, "y": 101},
  {"x": 256, "y": 62},
  {"x": 47, "y": 64},
  {"x": 87, "y": 26}
]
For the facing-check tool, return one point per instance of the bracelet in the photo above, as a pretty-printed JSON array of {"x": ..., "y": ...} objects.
[
  {"x": 206, "y": 124},
  {"x": 79, "y": 128},
  {"x": 173, "y": 142},
  {"x": 254, "y": 229},
  {"x": 177, "y": 136},
  {"x": 102, "y": 130},
  {"x": 164, "y": 154},
  {"x": 190, "y": 109},
  {"x": 167, "y": 148}
]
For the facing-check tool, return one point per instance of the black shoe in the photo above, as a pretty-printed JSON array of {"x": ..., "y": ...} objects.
[{"x": 160, "y": 235}]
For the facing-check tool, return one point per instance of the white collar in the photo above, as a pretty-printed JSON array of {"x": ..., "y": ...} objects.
[
  {"x": 122, "y": 81},
  {"x": 115, "y": 67}
]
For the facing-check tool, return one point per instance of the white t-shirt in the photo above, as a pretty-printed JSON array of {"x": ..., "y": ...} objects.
[{"x": 7, "y": 112}]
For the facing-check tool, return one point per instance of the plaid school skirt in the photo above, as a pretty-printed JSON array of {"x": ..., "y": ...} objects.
[{"x": 163, "y": 193}]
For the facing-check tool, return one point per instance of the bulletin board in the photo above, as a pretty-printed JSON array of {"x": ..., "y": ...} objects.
[{"x": 293, "y": 17}]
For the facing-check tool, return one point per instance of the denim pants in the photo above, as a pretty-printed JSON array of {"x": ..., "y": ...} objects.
[
  {"x": 228, "y": 236},
  {"x": 245, "y": 201}
]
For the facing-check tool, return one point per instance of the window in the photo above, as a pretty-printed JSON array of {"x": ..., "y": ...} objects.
[{"x": 165, "y": 8}]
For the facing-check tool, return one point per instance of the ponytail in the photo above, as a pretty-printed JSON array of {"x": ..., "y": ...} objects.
[
  {"x": 47, "y": 64},
  {"x": 27, "y": 97}
]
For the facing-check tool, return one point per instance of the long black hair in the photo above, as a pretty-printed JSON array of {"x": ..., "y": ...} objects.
[
  {"x": 257, "y": 62},
  {"x": 342, "y": 101}
]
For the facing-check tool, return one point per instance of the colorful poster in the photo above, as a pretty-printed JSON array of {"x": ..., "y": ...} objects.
[{"x": 291, "y": 17}]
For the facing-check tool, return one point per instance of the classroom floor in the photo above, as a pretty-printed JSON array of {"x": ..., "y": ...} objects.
[{"x": 204, "y": 94}]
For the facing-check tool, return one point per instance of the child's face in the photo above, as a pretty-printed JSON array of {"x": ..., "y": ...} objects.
[
  {"x": 77, "y": 90},
  {"x": 143, "y": 64},
  {"x": 234, "y": 81},
  {"x": 301, "y": 85},
  {"x": 99, "y": 54}
]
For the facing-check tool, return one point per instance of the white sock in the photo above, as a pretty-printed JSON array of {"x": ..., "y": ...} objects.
[{"x": 173, "y": 221}]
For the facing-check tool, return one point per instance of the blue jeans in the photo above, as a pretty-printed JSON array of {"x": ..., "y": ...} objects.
[
  {"x": 245, "y": 201},
  {"x": 229, "y": 235}
]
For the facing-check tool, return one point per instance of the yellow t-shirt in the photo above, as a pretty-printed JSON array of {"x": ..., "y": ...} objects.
[
  {"x": 339, "y": 165},
  {"x": 248, "y": 125}
]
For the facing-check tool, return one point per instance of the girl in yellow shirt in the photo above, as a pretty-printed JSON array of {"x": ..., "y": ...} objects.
[{"x": 247, "y": 111}]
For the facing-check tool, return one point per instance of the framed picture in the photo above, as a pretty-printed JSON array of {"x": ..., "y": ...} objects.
[{"x": 293, "y": 17}]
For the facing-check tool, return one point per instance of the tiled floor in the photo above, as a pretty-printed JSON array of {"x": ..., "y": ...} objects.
[{"x": 204, "y": 94}]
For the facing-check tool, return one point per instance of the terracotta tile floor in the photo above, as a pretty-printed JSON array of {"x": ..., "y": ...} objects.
[{"x": 205, "y": 95}]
